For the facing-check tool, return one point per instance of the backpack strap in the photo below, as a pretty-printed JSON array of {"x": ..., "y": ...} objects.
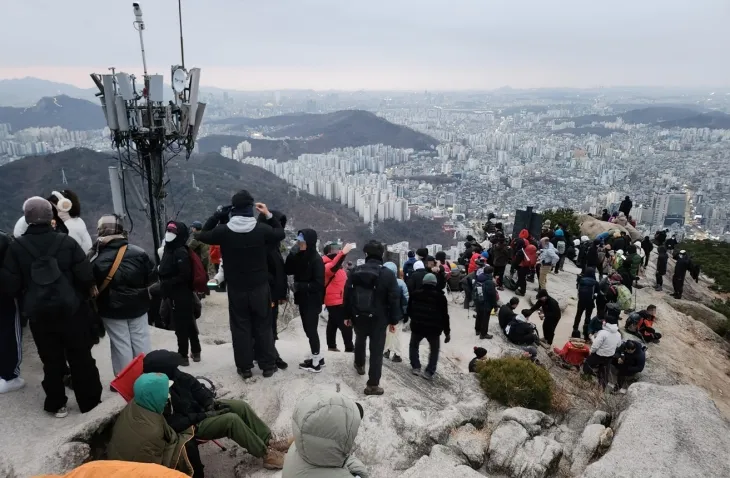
[
  {"x": 29, "y": 248},
  {"x": 56, "y": 245},
  {"x": 114, "y": 268}
]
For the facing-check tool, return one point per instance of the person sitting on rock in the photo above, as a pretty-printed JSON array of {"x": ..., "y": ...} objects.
[
  {"x": 195, "y": 405},
  {"x": 480, "y": 353},
  {"x": 629, "y": 360},
  {"x": 141, "y": 433},
  {"x": 645, "y": 325},
  {"x": 521, "y": 332},
  {"x": 603, "y": 349},
  {"x": 507, "y": 313},
  {"x": 325, "y": 426}
]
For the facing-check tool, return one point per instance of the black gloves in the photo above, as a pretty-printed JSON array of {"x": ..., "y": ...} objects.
[
  {"x": 447, "y": 339},
  {"x": 222, "y": 214},
  {"x": 405, "y": 318}
]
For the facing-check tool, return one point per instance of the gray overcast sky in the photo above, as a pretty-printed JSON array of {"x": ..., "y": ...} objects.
[{"x": 378, "y": 44}]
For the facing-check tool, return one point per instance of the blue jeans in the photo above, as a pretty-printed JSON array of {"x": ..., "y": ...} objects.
[{"x": 434, "y": 342}]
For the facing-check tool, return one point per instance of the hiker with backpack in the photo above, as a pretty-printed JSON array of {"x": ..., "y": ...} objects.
[
  {"x": 560, "y": 241},
  {"x": 245, "y": 244},
  {"x": 123, "y": 272},
  {"x": 372, "y": 305},
  {"x": 335, "y": 279},
  {"x": 408, "y": 265},
  {"x": 51, "y": 273},
  {"x": 547, "y": 259},
  {"x": 485, "y": 298},
  {"x": 11, "y": 343},
  {"x": 392, "y": 340},
  {"x": 428, "y": 310},
  {"x": 681, "y": 267},
  {"x": 603, "y": 349},
  {"x": 525, "y": 259}
]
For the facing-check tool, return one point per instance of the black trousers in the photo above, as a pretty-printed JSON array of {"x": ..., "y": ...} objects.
[
  {"x": 522, "y": 279},
  {"x": 335, "y": 322},
  {"x": 583, "y": 306},
  {"x": 621, "y": 374},
  {"x": 309, "y": 313},
  {"x": 250, "y": 320},
  {"x": 467, "y": 293},
  {"x": 678, "y": 285},
  {"x": 499, "y": 273},
  {"x": 376, "y": 334},
  {"x": 11, "y": 341},
  {"x": 191, "y": 448},
  {"x": 599, "y": 366},
  {"x": 659, "y": 279},
  {"x": 61, "y": 339},
  {"x": 274, "y": 311},
  {"x": 646, "y": 258},
  {"x": 484, "y": 312},
  {"x": 548, "y": 328},
  {"x": 275, "y": 320},
  {"x": 601, "y": 303},
  {"x": 183, "y": 319}
]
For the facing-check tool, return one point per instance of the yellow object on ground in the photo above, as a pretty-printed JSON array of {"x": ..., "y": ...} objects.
[{"x": 119, "y": 469}]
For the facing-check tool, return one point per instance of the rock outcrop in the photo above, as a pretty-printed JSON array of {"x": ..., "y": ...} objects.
[
  {"x": 442, "y": 462},
  {"x": 714, "y": 320},
  {"x": 591, "y": 227},
  {"x": 589, "y": 442},
  {"x": 472, "y": 443},
  {"x": 679, "y": 426}
]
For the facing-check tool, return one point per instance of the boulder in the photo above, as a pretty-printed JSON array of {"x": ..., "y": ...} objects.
[
  {"x": 537, "y": 458},
  {"x": 592, "y": 227},
  {"x": 442, "y": 462},
  {"x": 606, "y": 439},
  {"x": 534, "y": 421},
  {"x": 589, "y": 442},
  {"x": 680, "y": 426},
  {"x": 509, "y": 437},
  {"x": 599, "y": 417},
  {"x": 471, "y": 442},
  {"x": 713, "y": 319}
]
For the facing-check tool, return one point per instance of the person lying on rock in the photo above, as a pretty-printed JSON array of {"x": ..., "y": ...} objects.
[
  {"x": 141, "y": 433},
  {"x": 325, "y": 426},
  {"x": 629, "y": 360},
  {"x": 195, "y": 405}
]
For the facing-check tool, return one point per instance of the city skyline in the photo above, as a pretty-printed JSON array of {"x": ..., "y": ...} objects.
[{"x": 380, "y": 45}]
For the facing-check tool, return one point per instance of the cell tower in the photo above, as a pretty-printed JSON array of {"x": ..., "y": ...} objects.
[{"x": 150, "y": 131}]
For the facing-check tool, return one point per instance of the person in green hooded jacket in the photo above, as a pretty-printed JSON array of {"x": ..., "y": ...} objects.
[{"x": 141, "y": 433}]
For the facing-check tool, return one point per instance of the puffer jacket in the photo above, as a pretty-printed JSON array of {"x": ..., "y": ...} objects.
[
  {"x": 500, "y": 253},
  {"x": 119, "y": 469},
  {"x": 126, "y": 297},
  {"x": 308, "y": 271},
  {"x": 325, "y": 426},
  {"x": 606, "y": 341},
  {"x": 176, "y": 272},
  {"x": 335, "y": 278},
  {"x": 404, "y": 296},
  {"x": 661, "y": 262},
  {"x": 587, "y": 286},
  {"x": 428, "y": 310}
]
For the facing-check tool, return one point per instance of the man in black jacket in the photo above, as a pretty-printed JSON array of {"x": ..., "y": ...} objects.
[
  {"x": 372, "y": 304},
  {"x": 10, "y": 334},
  {"x": 507, "y": 312},
  {"x": 500, "y": 255},
  {"x": 194, "y": 405},
  {"x": 123, "y": 301},
  {"x": 245, "y": 243},
  {"x": 485, "y": 297},
  {"x": 681, "y": 267},
  {"x": 305, "y": 264},
  {"x": 588, "y": 290},
  {"x": 550, "y": 314},
  {"x": 661, "y": 267},
  {"x": 626, "y": 206},
  {"x": 60, "y": 334},
  {"x": 429, "y": 314}
]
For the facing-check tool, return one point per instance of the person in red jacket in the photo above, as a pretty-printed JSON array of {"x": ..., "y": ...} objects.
[
  {"x": 335, "y": 278},
  {"x": 473, "y": 267},
  {"x": 527, "y": 257}
]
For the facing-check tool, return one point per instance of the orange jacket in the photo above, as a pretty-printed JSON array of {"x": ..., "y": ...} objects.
[
  {"x": 215, "y": 254},
  {"x": 473, "y": 263},
  {"x": 119, "y": 469},
  {"x": 334, "y": 281}
]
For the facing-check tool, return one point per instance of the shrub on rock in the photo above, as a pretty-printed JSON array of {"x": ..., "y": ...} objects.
[{"x": 517, "y": 382}]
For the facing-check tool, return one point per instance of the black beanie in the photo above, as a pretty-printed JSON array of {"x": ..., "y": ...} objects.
[
  {"x": 242, "y": 199},
  {"x": 480, "y": 352}
]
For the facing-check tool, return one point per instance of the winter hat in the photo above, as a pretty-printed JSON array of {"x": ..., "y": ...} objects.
[
  {"x": 480, "y": 352},
  {"x": 575, "y": 334},
  {"x": 559, "y": 233},
  {"x": 37, "y": 211},
  {"x": 411, "y": 254},
  {"x": 480, "y": 262},
  {"x": 541, "y": 293},
  {"x": 576, "y": 242},
  {"x": 242, "y": 203},
  {"x": 197, "y": 225},
  {"x": 584, "y": 239},
  {"x": 611, "y": 319},
  {"x": 422, "y": 252},
  {"x": 430, "y": 279},
  {"x": 470, "y": 238},
  {"x": 485, "y": 254},
  {"x": 109, "y": 225},
  {"x": 418, "y": 265},
  {"x": 547, "y": 223}
]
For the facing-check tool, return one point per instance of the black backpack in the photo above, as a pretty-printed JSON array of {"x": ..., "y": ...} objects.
[
  {"x": 49, "y": 293},
  {"x": 363, "y": 284}
]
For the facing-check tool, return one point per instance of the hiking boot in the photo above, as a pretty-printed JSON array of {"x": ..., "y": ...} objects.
[
  {"x": 281, "y": 365},
  {"x": 11, "y": 385},
  {"x": 477, "y": 333},
  {"x": 245, "y": 374},
  {"x": 273, "y": 460},
  {"x": 374, "y": 390},
  {"x": 397, "y": 359},
  {"x": 486, "y": 336},
  {"x": 427, "y": 375},
  {"x": 416, "y": 371},
  {"x": 282, "y": 445},
  {"x": 185, "y": 362},
  {"x": 61, "y": 412},
  {"x": 333, "y": 349},
  {"x": 196, "y": 357},
  {"x": 360, "y": 369},
  {"x": 269, "y": 372},
  {"x": 386, "y": 354},
  {"x": 309, "y": 366},
  {"x": 520, "y": 293},
  {"x": 349, "y": 350}
]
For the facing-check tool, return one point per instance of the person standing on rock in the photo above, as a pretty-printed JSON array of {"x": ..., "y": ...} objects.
[
  {"x": 550, "y": 314},
  {"x": 588, "y": 290},
  {"x": 661, "y": 268},
  {"x": 305, "y": 264},
  {"x": 485, "y": 298},
  {"x": 603, "y": 350},
  {"x": 428, "y": 310},
  {"x": 547, "y": 259},
  {"x": 681, "y": 267},
  {"x": 244, "y": 243},
  {"x": 11, "y": 342},
  {"x": 199, "y": 248},
  {"x": 392, "y": 340},
  {"x": 626, "y": 206},
  {"x": 335, "y": 279},
  {"x": 372, "y": 305}
]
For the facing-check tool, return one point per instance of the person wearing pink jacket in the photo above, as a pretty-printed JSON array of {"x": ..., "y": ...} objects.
[{"x": 335, "y": 278}]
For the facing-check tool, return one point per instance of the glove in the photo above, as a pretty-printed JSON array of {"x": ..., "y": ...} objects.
[
  {"x": 447, "y": 339},
  {"x": 405, "y": 319},
  {"x": 216, "y": 413},
  {"x": 222, "y": 214},
  {"x": 220, "y": 406}
]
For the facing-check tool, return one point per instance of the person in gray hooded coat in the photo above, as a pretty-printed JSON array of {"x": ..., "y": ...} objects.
[{"x": 325, "y": 425}]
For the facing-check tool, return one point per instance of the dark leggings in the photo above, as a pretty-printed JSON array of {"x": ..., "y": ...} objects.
[{"x": 335, "y": 322}]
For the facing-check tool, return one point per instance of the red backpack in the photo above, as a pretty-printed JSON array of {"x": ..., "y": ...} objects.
[{"x": 200, "y": 275}]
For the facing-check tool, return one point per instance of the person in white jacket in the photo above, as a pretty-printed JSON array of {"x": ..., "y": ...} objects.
[
  {"x": 603, "y": 348},
  {"x": 547, "y": 258}
]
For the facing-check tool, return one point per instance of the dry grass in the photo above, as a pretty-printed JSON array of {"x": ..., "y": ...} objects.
[{"x": 562, "y": 401}]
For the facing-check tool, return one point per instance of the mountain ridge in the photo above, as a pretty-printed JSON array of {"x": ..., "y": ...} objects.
[{"x": 70, "y": 113}]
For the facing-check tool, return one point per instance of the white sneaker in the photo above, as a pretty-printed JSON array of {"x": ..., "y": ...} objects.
[
  {"x": 11, "y": 385},
  {"x": 62, "y": 412}
]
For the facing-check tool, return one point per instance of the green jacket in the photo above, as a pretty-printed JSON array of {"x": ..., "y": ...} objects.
[
  {"x": 141, "y": 433},
  {"x": 635, "y": 262},
  {"x": 325, "y": 425}
]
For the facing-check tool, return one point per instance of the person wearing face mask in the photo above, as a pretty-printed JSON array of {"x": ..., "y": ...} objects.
[{"x": 176, "y": 285}]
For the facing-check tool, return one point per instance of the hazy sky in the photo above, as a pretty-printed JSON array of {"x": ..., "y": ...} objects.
[{"x": 378, "y": 44}]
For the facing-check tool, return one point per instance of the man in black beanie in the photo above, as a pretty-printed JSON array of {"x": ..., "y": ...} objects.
[{"x": 244, "y": 246}]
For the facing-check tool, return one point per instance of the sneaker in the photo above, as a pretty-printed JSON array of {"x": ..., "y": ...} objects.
[
  {"x": 427, "y": 375},
  {"x": 416, "y": 371},
  {"x": 310, "y": 367},
  {"x": 374, "y": 390},
  {"x": 269, "y": 372},
  {"x": 333, "y": 349},
  {"x": 520, "y": 293},
  {"x": 185, "y": 362},
  {"x": 273, "y": 460},
  {"x": 11, "y": 385},
  {"x": 282, "y": 445},
  {"x": 245, "y": 374},
  {"x": 196, "y": 357},
  {"x": 397, "y": 359},
  {"x": 486, "y": 336},
  {"x": 281, "y": 365},
  {"x": 360, "y": 369},
  {"x": 61, "y": 412},
  {"x": 386, "y": 354}
]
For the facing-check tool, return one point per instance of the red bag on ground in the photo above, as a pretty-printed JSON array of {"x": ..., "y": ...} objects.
[{"x": 574, "y": 352}]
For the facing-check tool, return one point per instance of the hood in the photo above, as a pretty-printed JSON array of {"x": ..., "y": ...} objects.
[
  {"x": 524, "y": 234},
  {"x": 278, "y": 215},
  {"x": 590, "y": 272},
  {"x": 621, "y": 214},
  {"x": 162, "y": 361},
  {"x": 182, "y": 236},
  {"x": 613, "y": 328},
  {"x": 559, "y": 233},
  {"x": 151, "y": 391},
  {"x": 241, "y": 224},
  {"x": 483, "y": 276},
  {"x": 310, "y": 237},
  {"x": 392, "y": 267},
  {"x": 418, "y": 265},
  {"x": 325, "y": 425},
  {"x": 20, "y": 227}
]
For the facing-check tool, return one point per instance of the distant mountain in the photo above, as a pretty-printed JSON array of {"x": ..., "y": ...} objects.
[
  {"x": 26, "y": 91},
  {"x": 651, "y": 115},
  {"x": 217, "y": 179},
  {"x": 321, "y": 133},
  {"x": 63, "y": 111},
  {"x": 597, "y": 130},
  {"x": 713, "y": 120}
]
